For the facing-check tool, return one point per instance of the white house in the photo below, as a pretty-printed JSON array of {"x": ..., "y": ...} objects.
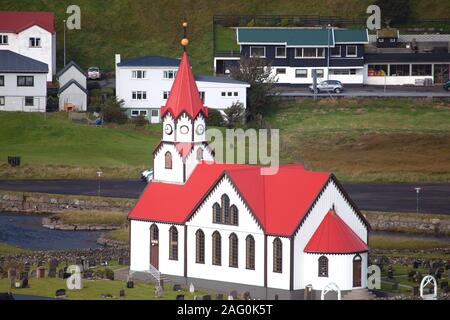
[
  {"x": 144, "y": 83},
  {"x": 72, "y": 88},
  {"x": 23, "y": 83},
  {"x": 228, "y": 227},
  {"x": 31, "y": 34}
]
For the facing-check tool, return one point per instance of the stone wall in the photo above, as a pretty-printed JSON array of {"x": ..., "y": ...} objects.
[
  {"x": 44, "y": 203},
  {"x": 399, "y": 223}
]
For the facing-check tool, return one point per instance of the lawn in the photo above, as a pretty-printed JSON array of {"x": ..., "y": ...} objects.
[
  {"x": 111, "y": 218},
  {"x": 225, "y": 39},
  {"x": 6, "y": 249},
  {"x": 94, "y": 289},
  {"x": 395, "y": 140},
  {"x": 118, "y": 235},
  {"x": 402, "y": 242}
]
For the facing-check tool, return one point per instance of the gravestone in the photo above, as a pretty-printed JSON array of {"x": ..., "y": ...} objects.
[
  {"x": 159, "y": 292},
  {"x": 33, "y": 274},
  {"x": 92, "y": 262},
  {"x": 60, "y": 293},
  {"x": 23, "y": 275},
  {"x": 219, "y": 296},
  {"x": 27, "y": 267},
  {"x": 207, "y": 297},
  {"x": 234, "y": 294},
  {"x": 395, "y": 286},
  {"x": 130, "y": 284},
  {"x": 191, "y": 288},
  {"x": 390, "y": 274},
  {"x": 230, "y": 297},
  {"x": 176, "y": 287},
  {"x": 416, "y": 264},
  {"x": 121, "y": 261},
  {"x": 415, "y": 291},
  {"x": 61, "y": 273},
  {"x": 52, "y": 272},
  {"x": 12, "y": 273},
  {"x": 122, "y": 293},
  {"x": 24, "y": 283},
  {"x": 180, "y": 297},
  {"x": 197, "y": 298},
  {"x": 40, "y": 272},
  {"x": 246, "y": 296}
]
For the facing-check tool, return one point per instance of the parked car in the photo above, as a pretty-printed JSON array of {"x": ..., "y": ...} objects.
[
  {"x": 328, "y": 86},
  {"x": 447, "y": 86},
  {"x": 147, "y": 175},
  {"x": 94, "y": 73}
]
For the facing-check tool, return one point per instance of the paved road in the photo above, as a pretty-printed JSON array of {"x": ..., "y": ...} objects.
[
  {"x": 434, "y": 197},
  {"x": 369, "y": 91}
]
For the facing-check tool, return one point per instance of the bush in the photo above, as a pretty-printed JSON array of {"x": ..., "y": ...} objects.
[
  {"x": 234, "y": 115},
  {"x": 112, "y": 111},
  {"x": 93, "y": 85},
  {"x": 140, "y": 121},
  {"x": 215, "y": 118}
]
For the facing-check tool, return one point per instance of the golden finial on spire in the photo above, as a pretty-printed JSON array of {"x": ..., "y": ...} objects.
[{"x": 185, "y": 40}]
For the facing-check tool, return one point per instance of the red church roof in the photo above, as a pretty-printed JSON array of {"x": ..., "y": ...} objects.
[
  {"x": 17, "y": 21},
  {"x": 279, "y": 202},
  {"x": 335, "y": 236},
  {"x": 184, "y": 95}
]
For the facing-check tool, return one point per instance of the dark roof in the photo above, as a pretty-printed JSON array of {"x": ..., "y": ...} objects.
[
  {"x": 68, "y": 66},
  {"x": 150, "y": 61},
  {"x": 351, "y": 36},
  {"x": 14, "y": 62},
  {"x": 288, "y": 36},
  {"x": 218, "y": 79},
  {"x": 68, "y": 84}
]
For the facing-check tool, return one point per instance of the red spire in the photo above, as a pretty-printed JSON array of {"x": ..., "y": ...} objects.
[{"x": 184, "y": 95}]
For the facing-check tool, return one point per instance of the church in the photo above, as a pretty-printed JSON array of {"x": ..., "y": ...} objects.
[{"x": 226, "y": 227}]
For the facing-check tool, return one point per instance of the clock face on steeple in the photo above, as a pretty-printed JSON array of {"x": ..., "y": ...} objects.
[
  {"x": 200, "y": 129},
  {"x": 168, "y": 129}
]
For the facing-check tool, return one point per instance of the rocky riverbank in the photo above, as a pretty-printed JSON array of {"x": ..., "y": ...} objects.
[{"x": 55, "y": 223}]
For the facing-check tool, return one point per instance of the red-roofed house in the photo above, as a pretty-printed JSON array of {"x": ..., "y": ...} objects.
[
  {"x": 31, "y": 34},
  {"x": 229, "y": 227}
]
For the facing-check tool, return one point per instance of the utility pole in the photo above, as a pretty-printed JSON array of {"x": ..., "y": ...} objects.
[
  {"x": 328, "y": 54},
  {"x": 64, "y": 42},
  {"x": 418, "y": 194},
  {"x": 99, "y": 176}
]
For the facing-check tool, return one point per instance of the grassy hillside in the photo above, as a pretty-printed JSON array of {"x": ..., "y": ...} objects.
[
  {"x": 139, "y": 27},
  {"x": 357, "y": 139}
]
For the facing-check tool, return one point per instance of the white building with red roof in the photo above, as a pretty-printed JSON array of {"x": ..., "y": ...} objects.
[
  {"x": 228, "y": 227},
  {"x": 30, "y": 34}
]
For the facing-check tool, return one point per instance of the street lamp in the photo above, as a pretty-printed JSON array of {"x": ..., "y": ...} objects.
[
  {"x": 99, "y": 175},
  {"x": 64, "y": 42},
  {"x": 418, "y": 194},
  {"x": 328, "y": 54}
]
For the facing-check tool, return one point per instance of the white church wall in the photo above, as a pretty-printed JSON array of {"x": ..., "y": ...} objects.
[
  {"x": 168, "y": 120},
  {"x": 275, "y": 279},
  {"x": 247, "y": 226},
  {"x": 191, "y": 160},
  {"x": 330, "y": 196},
  {"x": 168, "y": 175},
  {"x": 140, "y": 245},
  {"x": 183, "y": 129},
  {"x": 167, "y": 266}
]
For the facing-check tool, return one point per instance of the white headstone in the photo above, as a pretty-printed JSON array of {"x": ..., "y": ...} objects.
[{"x": 191, "y": 288}]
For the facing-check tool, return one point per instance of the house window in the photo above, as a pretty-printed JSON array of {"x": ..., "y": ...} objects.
[
  {"x": 320, "y": 52},
  {"x": 336, "y": 52},
  {"x": 233, "y": 250},
  {"x": 138, "y": 74},
  {"x": 301, "y": 73},
  {"x": 230, "y": 94},
  {"x": 393, "y": 40},
  {"x": 199, "y": 154},
  {"x": 250, "y": 252},
  {"x": 3, "y": 39},
  {"x": 225, "y": 209},
  {"x": 280, "y": 52},
  {"x": 173, "y": 243},
  {"x": 25, "y": 81},
  {"x": 137, "y": 113},
  {"x": 258, "y": 52},
  {"x": 235, "y": 94},
  {"x": 170, "y": 74},
  {"x": 200, "y": 247},
  {"x": 323, "y": 266},
  {"x": 280, "y": 70},
  {"x": 352, "y": 51},
  {"x": 399, "y": 70},
  {"x": 320, "y": 73},
  {"x": 202, "y": 96},
  {"x": 224, "y": 94},
  {"x": 29, "y": 101},
  {"x": 309, "y": 53},
  {"x": 217, "y": 249},
  {"x": 421, "y": 70},
  {"x": 277, "y": 256},
  {"x": 217, "y": 215},
  {"x": 2, "y": 81},
  {"x": 168, "y": 160},
  {"x": 166, "y": 95},
  {"x": 154, "y": 113},
  {"x": 2, "y": 101},
  {"x": 234, "y": 215},
  {"x": 139, "y": 95},
  {"x": 299, "y": 52},
  {"x": 342, "y": 72},
  {"x": 35, "y": 42},
  {"x": 377, "y": 70}
]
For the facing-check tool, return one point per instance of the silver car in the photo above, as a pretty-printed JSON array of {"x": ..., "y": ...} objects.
[{"x": 328, "y": 86}]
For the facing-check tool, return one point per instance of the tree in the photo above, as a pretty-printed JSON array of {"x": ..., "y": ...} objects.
[
  {"x": 258, "y": 73},
  {"x": 234, "y": 115},
  {"x": 112, "y": 111},
  {"x": 394, "y": 11},
  {"x": 214, "y": 119}
]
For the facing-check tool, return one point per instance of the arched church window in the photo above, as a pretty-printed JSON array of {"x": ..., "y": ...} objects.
[
  {"x": 323, "y": 266},
  {"x": 173, "y": 243},
  {"x": 200, "y": 154},
  {"x": 168, "y": 160},
  {"x": 277, "y": 256},
  {"x": 233, "y": 250},
  {"x": 234, "y": 215},
  {"x": 200, "y": 246},
  {"x": 250, "y": 252},
  {"x": 154, "y": 233},
  {"x": 217, "y": 218},
  {"x": 217, "y": 249},
  {"x": 225, "y": 209}
]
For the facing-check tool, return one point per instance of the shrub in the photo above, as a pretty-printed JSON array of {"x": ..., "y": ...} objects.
[
  {"x": 215, "y": 118},
  {"x": 234, "y": 115},
  {"x": 140, "y": 121},
  {"x": 93, "y": 85},
  {"x": 112, "y": 111}
]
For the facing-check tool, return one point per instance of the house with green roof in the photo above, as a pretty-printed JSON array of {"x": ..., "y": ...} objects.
[{"x": 294, "y": 53}]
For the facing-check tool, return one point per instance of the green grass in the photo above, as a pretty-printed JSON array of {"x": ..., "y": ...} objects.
[
  {"x": 7, "y": 249},
  {"x": 401, "y": 242},
  {"x": 118, "y": 235},
  {"x": 93, "y": 289},
  {"x": 113, "y": 219},
  {"x": 141, "y": 27},
  {"x": 226, "y": 39},
  {"x": 408, "y": 215}
]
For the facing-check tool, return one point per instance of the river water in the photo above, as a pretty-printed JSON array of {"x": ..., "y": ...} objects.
[{"x": 26, "y": 231}]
